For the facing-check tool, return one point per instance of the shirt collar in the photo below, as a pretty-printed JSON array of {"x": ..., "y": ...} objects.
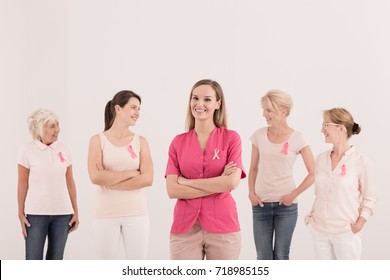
[
  {"x": 43, "y": 146},
  {"x": 348, "y": 152}
]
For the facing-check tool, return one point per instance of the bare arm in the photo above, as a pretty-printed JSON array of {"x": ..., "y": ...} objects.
[
  {"x": 309, "y": 161},
  {"x": 217, "y": 184},
  {"x": 176, "y": 190},
  {"x": 74, "y": 222},
  {"x": 97, "y": 174},
  {"x": 23, "y": 174},
  {"x": 253, "y": 170},
  {"x": 144, "y": 178}
]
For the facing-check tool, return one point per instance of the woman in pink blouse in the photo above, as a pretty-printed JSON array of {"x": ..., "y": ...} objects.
[
  {"x": 204, "y": 166},
  {"x": 345, "y": 191}
]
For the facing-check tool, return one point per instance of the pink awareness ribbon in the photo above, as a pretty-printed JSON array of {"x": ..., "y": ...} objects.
[
  {"x": 61, "y": 157},
  {"x": 343, "y": 170},
  {"x": 216, "y": 152},
  {"x": 285, "y": 149},
  {"x": 130, "y": 149}
]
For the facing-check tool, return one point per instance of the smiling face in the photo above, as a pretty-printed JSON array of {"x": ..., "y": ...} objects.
[
  {"x": 332, "y": 131},
  {"x": 204, "y": 103},
  {"x": 272, "y": 115},
  {"x": 130, "y": 112},
  {"x": 51, "y": 131}
]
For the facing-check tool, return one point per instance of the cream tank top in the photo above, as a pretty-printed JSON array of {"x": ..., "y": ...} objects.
[{"x": 114, "y": 203}]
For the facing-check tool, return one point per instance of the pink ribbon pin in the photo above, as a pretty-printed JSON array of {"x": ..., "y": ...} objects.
[
  {"x": 343, "y": 170},
  {"x": 130, "y": 149},
  {"x": 61, "y": 157},
  {"x": 285, "y": 149},
  {"x": 216, "y": 152}
]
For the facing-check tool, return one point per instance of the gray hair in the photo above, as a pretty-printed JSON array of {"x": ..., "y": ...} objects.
[{"x": 37, "y": 121}]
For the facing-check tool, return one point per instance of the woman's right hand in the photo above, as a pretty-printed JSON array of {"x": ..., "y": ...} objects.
[
  {"x": 255, "y": 200},
  {"x": 24, "y": 222}
]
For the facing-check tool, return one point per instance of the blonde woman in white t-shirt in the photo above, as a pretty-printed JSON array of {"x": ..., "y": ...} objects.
[
  {"x": 120, "y": 164},
  {"x": 272, "y": 190},
  {"x": 46, "y": 189},
  {"x": 345, "y": 191}
]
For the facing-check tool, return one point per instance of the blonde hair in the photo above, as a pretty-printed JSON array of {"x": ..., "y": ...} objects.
[
  {"x": 37, "y": 121},
  {"x": 220, "y": 116},
  {"x": 277, "y": 100},
  {"x": 343, "y": 117}
]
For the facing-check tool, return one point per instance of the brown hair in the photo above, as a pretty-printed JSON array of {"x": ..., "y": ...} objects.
[{"x": 121, "y": 99}]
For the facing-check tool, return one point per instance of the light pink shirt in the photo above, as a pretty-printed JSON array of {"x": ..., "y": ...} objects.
[
  {"x": 342, "y": 194},
  {"x": 117, "y": 203},
  {"x": 47, "y": 189},
  {"x": 216, "y": 213},
  {"x": 276, "y": 164}
]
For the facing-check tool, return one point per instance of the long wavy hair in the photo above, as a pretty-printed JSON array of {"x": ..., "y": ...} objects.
[{"x": 220, "y": 116}]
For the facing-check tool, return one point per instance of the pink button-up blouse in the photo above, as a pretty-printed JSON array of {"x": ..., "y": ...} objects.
[{"x": 216, "y": 213}]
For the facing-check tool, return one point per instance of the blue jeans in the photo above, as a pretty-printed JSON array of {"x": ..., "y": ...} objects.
[
  {"x": 273, "y": 227},
  {"x": 55, "y": 228}
]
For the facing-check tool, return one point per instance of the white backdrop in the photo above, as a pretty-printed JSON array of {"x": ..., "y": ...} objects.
[{"x": 73, "y": 56}]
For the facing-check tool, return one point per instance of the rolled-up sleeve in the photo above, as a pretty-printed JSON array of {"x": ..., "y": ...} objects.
[{"x": 368, "y": 189}]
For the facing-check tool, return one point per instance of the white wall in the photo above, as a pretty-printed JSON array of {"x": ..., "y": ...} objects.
[{"x": 73, "y": 56}]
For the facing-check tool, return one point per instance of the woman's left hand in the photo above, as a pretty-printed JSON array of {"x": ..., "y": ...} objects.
[
  {"x": 181, "y": 180},
  {"x": 74, "y": 223},
  {"x": 358, "y": 226},
  {"x": 287, "y": 199}
]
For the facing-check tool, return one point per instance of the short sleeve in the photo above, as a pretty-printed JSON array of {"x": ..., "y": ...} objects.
[
  {"x": 301, "y": 142},
  {"x": 69, "y": 162},
  {"x": 22, "y": 158},
  {"x": 173, "y": 163},
  {"x": 253, "y": 139},
  {"x": 235, "y": 152}
]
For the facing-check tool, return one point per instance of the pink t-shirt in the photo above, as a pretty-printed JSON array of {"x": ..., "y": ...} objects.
[
  {"x": 47, "y": 189},
  {"x": 276, "y": 165},
  {"x": 216, "y": 213},
  {"x": 117, "y": 203}
]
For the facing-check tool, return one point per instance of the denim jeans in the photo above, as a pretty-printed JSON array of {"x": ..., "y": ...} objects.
[
  {"x": 273, "y": 227},
  {"x": 55, "y": 228}
]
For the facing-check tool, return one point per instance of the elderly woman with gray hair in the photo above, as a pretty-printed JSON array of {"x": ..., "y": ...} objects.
[{"x": 46, "y": 190}]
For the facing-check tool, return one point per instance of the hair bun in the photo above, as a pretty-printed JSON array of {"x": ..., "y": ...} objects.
[{"x": 355, "y": 128}]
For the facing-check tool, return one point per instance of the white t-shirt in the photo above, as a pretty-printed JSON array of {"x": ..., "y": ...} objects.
[
  {"x": 276, "y": 164},
  {"x": 47, "y": 189}
]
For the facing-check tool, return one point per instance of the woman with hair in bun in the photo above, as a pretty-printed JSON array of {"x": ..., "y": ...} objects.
[
  {"x": 120, "y": 164},
  {"x": 344, "y": 189},
  {"x": 46, "y": 189}
]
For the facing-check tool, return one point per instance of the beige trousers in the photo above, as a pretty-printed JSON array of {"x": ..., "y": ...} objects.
[{"x": 198, "y": 244}]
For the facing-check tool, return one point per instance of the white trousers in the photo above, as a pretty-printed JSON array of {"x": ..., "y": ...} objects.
[
  {"x": 343, "y": 246},
  {"x": 132, "y": 232}
]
